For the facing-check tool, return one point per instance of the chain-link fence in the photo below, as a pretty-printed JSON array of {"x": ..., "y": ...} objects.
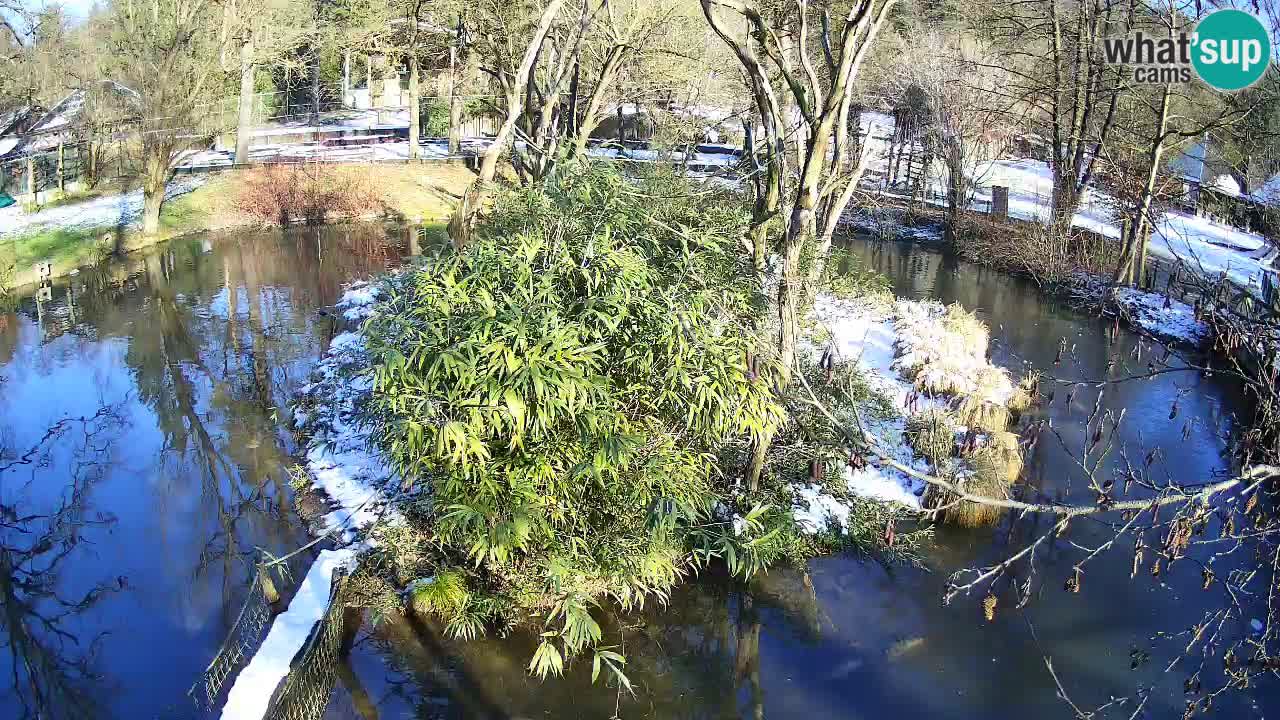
[
  {"x": 243, "y": 639},
  {"x": 304, "y": 693}
]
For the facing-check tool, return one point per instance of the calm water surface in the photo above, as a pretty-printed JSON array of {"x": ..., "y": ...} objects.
[{"x": 126, "y": 541}]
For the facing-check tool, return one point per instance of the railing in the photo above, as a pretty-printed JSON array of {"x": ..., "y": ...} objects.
[{"x": 43, "y": 171}]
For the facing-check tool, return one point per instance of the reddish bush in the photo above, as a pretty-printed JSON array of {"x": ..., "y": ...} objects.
[{"x": 311, "y": 193}]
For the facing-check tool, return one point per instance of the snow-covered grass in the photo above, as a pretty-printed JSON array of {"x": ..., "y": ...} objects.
[
  {"x": 895, "y": 344},
  {"x": 358, "y": 483},
  {"x": 944, "y": 350},
  {"x": 344, "y": 462},
  {"x": 1161, "y": 316},
  {"x": 111, "y": 210},
  {"x": 1204, "y": 246}
]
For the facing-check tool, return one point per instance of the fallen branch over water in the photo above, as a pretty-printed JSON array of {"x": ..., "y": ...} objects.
[{"x": 1251, "y": 476}]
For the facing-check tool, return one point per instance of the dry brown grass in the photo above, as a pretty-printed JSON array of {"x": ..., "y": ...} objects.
[
  {"x": 970, "y": 333},
  {"x": 988, "y": 417},
  {"x": 317, "y": 192},
  {"x": 1034, "y": 249},
  {"x": 995, "y": 468},
  {"x": 932, "y": 434},
  {"x": 1026, "y": 394}
]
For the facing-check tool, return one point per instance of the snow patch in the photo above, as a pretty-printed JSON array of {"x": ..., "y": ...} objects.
[
  {"x": 1163, "y": 317},
  {"x": 887, "y": 339},
  {"x": 107, "y": 210}
]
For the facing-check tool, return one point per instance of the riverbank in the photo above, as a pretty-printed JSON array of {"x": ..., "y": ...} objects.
[
  {"x": 73, "y": 235},
  {"x": 1155, "y": 314}
]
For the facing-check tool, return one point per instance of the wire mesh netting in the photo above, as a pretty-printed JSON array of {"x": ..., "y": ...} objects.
[
  {"x": 304, "y": 693},
  {"x": 244, "y": 637}
]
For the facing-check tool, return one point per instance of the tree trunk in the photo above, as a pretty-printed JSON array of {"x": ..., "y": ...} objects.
[
  {"x": 464, "y": 217},
  {"x": 455, "y": 104},
  {"x": 1134, "y": 258},
  {"x": 346, "y": 75},
  {"x": 591, "y": 117},
  {"x": 956, "y": 189},
  {"x": 415, "y": 112},
  {"x": 244, "y": 117},
  {"x": 155, "y": 174},
  {"x": 315, "y": 85}
]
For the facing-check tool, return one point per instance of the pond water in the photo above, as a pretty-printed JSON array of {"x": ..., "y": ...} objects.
[{"x": 127, "y": 541}]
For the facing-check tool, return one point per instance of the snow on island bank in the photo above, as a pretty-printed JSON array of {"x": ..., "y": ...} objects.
[
  {"x": 350, "y": 471},
  {"x": 899, "y": 348}
]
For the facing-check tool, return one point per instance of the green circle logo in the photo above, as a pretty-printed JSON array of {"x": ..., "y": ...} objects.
[{"x": 1231, "y": 49}]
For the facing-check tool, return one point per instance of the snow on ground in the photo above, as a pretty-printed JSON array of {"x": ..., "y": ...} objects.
[
  {"x": 109, "y": 210},
  {"x": 431, "y": 149},
  {"x": 1163, "y": 317},
  {"x": 342, "y": 459},
  {"x": 1204, "y": 246},
  {"x": 885, "y": 339},
  {"x": 865, "y": 334},
  {"x": 356, "y": 479}
]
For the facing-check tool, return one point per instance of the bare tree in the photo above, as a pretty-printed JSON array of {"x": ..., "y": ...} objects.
[
  {"x": 1167, "y": 116},
  {"x": 256, "y": 32},
  {"x": 165, "y": 53},
  {"x": 967, "y": 118},
  {"x": 513, "y": 79},
  {"x": 828, "y": 171},
  {"x": 1052, "y": 52},
  {"x": 631, "y": 31}
]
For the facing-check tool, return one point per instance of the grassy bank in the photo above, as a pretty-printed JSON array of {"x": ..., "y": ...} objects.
[{"x": 413, "y": 193}]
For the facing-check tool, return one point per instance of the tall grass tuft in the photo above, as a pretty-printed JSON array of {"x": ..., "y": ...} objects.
[{"x": 932, "y": 434}]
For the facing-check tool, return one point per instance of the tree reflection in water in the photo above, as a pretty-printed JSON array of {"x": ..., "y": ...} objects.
[{"x": 53, "y": 671}]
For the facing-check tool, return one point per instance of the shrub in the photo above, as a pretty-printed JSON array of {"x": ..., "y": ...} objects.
[
  {"x": 311, "y": 192},
  {"x": 1026, "y": 394},
  {"x": 435, "y": 118},
  {"x": 1033, "y": 249},
  {"x": 979, "y": 414},
  {"x": 563, "y": 386},
  {"x": 993, "y": 469}
]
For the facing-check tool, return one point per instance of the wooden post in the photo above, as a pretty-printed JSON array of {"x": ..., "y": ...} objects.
[
  {"x": 62, "y": 168},
  {"x": 31, "y": 177}
]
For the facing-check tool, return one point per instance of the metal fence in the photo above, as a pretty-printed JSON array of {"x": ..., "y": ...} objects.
[
  {"x": 304, "y": 693},
  {"x": 243, "y": 639},
  {"x": 43, "y": 171}
]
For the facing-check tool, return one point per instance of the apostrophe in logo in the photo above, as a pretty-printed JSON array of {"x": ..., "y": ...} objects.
[{"x": 1230, "y": 49}]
